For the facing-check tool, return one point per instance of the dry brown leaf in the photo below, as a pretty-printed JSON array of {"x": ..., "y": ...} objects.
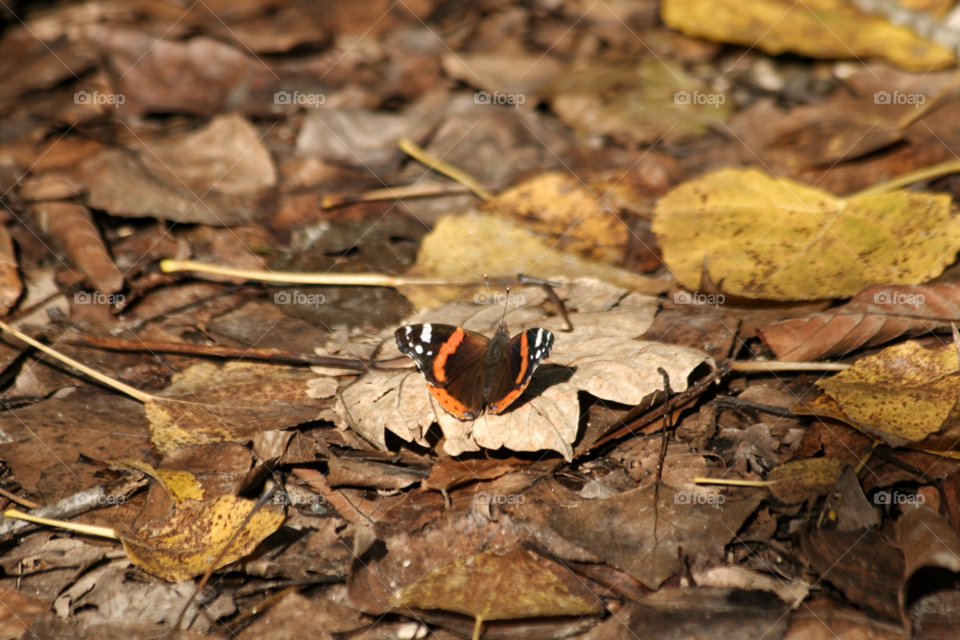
[
  {"x": 74, "y": 232},
  {"x": 224, "y": 162},
  {"x": 601, "y": 357},
  {"x": 185, "y": 544},
  {"x": 207, "y": 403},
  {"x": 646, "y": 546},
  {"x": 10, "y": 284},
  {"x": 877, "y": 314},
  {"x": 179, "y": 485},
  {"x": 931, "y": 551}
]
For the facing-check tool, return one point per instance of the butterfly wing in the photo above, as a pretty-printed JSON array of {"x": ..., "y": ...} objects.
[
  {"x": 451, "y": 360},
  {"x": 524, "y": 354}
]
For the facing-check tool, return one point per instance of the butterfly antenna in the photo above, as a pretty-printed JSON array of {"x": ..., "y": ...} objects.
[{"x": 503, "y": 319}]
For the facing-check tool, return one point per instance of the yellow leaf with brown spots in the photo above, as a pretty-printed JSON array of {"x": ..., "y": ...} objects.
[
  {"x": 801, "y": 480},
  {"x": 185, "y": 543},
  {"x": 777, "y": 239},
  {"x": 901, "y": 395}
]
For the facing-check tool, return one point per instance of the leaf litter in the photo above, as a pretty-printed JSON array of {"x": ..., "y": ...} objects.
[{"x": 639, "y": 158}]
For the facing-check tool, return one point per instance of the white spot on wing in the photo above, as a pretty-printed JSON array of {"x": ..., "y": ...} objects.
[
  {"x": 418, "y": 349},
  {"x": 539, "y": 337},
  {"x": 426, "y": 334},
  {"x": 407, "y": 332}
]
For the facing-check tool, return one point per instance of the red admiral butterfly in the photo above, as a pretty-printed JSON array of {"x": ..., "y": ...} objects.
[{"x": 466, "y": 371}]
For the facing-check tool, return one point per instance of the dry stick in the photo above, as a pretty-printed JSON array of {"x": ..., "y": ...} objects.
[
  {"x": 332, "y": 200},
  {"x": 409, "y": 147},
  {"x": 103, "y": 532},
  {"x": 633, "y": 420},
  {"x": 919, "y": 175},
  {"x": 79, "y": 339},
  {"x": 294, "y": 277},
  {"x": 23, "y": 502},
  {"x": 774, "y": 365}
]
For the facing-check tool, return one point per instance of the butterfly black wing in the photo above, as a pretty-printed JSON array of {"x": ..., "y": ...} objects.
[{"x": 524, "y": 354}]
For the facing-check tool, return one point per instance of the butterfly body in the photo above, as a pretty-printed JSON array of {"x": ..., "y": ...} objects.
[{"x": 467, "y": 372}]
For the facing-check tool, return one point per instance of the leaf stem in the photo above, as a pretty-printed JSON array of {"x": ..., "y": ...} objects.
[
  {"x": 937, "y": 170},
  {"x": 409, "y": 147},
  {"x": 294, "y": 277},
  {"x": 103, "y": 532}
]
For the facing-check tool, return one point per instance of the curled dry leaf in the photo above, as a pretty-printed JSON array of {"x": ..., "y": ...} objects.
[
  {"x": 819, "y": 28},
  {"x": 777, "y": 239},
  {"x": 800, "y": 480},
  {"x": 901, "y": 395},
  {"x": 208, "y": 403},
  {"x": 877, "y": 314},
  {"x": 72, "y": 228},
  {"x": 10, "y": 284},
  {"x": 179, "y": 485},
  {"x": 601, "y": 357},
  {"x": 184, "y": 544},
  {"x": 931, "y": 551}
]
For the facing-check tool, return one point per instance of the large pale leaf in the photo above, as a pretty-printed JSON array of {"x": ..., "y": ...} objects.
[{"x": 774, "y": 238}]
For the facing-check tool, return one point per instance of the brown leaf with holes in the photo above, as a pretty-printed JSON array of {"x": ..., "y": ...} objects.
[{"x": 877, "y": 314}]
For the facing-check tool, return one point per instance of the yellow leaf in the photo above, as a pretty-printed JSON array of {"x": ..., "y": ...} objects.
[
  {"x": 901, "y": 395},
  {"x": 778, "y": 239},
  {"x": 472, "y": 245},
  {"x": 187, "y": 542},
  {"x": 803, "y": 479},
  {"x": 179, "y": 485},
  {"x": 817, "y": 28},
  {"x": 558, "y": 206}
]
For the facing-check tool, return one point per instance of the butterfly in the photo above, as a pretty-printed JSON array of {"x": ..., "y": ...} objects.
[{"x": 467, "y": 372}]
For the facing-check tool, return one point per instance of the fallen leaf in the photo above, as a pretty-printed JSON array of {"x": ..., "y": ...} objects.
[
  {"x": 636, "y": 102},
  {"x": 184, "y": 544},
  {"x": 901, "y": 395},
  {"x": 819, "y": 28},
  {"x": 179, "y": 485},
  {"x": 472, "y": 245},
  {"x": 877, "y": 314},
  {"x": 601, "y": 357},
  {"x": 556, "y": 205},
  {"x": 773, "y": 238},
  {"x": 219, "y": 175},
  {"x": 501, "y": 585},
  {"x": 11, "y": 286},
  {"x": 646, "y": 546},
  {"x": 931, "y": 551},
  {"x": 208, "y": 403},
  {"x": 801, "y": 480}
]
